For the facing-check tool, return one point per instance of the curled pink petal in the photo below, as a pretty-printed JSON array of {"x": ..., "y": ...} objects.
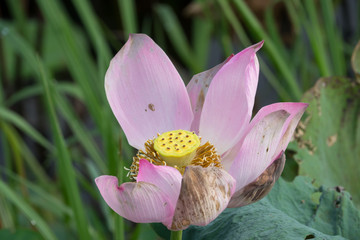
[
  {"x": 166, "y": 178},
  {"x": 230, "y": 99},
  {"x": 295, "y": 111},
  {"x": 260, "y": 187},
  {"x": 138, "y": 202},
  {"x": 258, "y": 148},
  {"x": 197, "y": 90},
  {"x": 145, "y": 92},
  {"x": 151, "y": 199}
]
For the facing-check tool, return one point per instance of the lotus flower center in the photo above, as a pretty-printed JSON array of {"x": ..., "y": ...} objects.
[{"x": 177, "y": 148}]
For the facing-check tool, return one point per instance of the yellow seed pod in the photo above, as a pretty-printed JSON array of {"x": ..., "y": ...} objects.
[{"x": 178, "y": 147}]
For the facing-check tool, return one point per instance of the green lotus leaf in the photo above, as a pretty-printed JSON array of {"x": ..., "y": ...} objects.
[
  {"x": 328, "y": 139},
  {"x": 296, "y": 210}
]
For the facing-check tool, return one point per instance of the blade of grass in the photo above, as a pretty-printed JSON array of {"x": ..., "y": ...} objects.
[
  {"x": 81, "y": 68},
  {"x": 65, "y": 166},
  {"x": 317, "y": 41},
  {"x": 177, "y": 36},
  {"x": 284, "y": 95},
  {"x": 112, "y": 39},
  {"x": 15, "y": 119},
  {"x": 302, "y": 64},
  {"x": 18, "y": 44},
  {"x": 22, "y": 151},
  {"x": 18, "y": 15},
  {"x": 33, "y": 164},
  {"x": 159, "y": 33},
  {"x": 82, "y": 134},
  {"x": 87, "y": 185},
  {"x": 274, "y": 33},
  {"x": 225, "y": 39},
  {"x": 128, "y": 16},
  {"x": 6, "y": 215},
  {"x": 99, "y": 231},
  {"x": 15, "y": 149},
  {"x": 229, "y": 14},
  {"x": 333, "y": 37},
  {"x": 147, "y": 24},
  {"x": 78, "y": 59},
  {"x": 143, "y": 231},
  {"x": 3, "y": 72},
  {"x": 274, "y": 82},
  {"x": 80, "y": 65},
  {"x": 202, "y": 29},
  {"x": 114, "y": 221},
  {"x": 293, "y": 15},
  {"x": 274, "y": 54},
  {"x": 29, "y": 212},
  {"x": 36, "y": 90},
  {"x": 119, "y": 227},
  {"x": 94, "y": 173},
  {"x": 95, "y": 32},
  {"x": 115, "y": 165},
  {"x": 44, "y": 200},
  {"x": 5, "y": 150}
]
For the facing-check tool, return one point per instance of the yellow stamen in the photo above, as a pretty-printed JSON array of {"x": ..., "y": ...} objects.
[{"x": 204, "y": 155}]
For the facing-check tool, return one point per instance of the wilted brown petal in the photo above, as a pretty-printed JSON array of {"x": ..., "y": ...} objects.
[
  {"x": 260, "y": 187},
  {"x": 204, "y": 194}
]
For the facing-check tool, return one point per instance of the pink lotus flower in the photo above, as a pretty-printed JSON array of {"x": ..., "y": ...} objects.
[{"x": 237, "y": 159}]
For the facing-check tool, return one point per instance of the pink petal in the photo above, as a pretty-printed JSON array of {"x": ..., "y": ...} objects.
[
  {"x": 230, "y": 99},
  {"x": 143, "y": 202},
  {"x": 258, "y": 148},
  {"x": 145, "y": 92},
  {"x": 168, "y": 179},
  {"x": 197, "y": 90},
  {"x": 205, "y": 193},
  {"x": 260, "y": 187},
  {"x": 295, "y": 110}
]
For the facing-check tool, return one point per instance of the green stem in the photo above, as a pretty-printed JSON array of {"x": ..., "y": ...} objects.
[{"x": 176, "y": 235}]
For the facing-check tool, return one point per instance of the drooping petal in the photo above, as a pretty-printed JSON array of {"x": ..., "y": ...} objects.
[
  {"x": 138, "y": 202},
  {"x": 145, "y": 92},
  {"x": 295, "y": 111},
  {"x": 197, "y": 90},
  {"x": 204, "y": 194},
  {"x": 260, "y": 187},
  {"x": 258, "y": 149},
  {"x": 168, "y": 179},
  {"x": 143, "y": 202},
  {"x": 230, "y": 99}
]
